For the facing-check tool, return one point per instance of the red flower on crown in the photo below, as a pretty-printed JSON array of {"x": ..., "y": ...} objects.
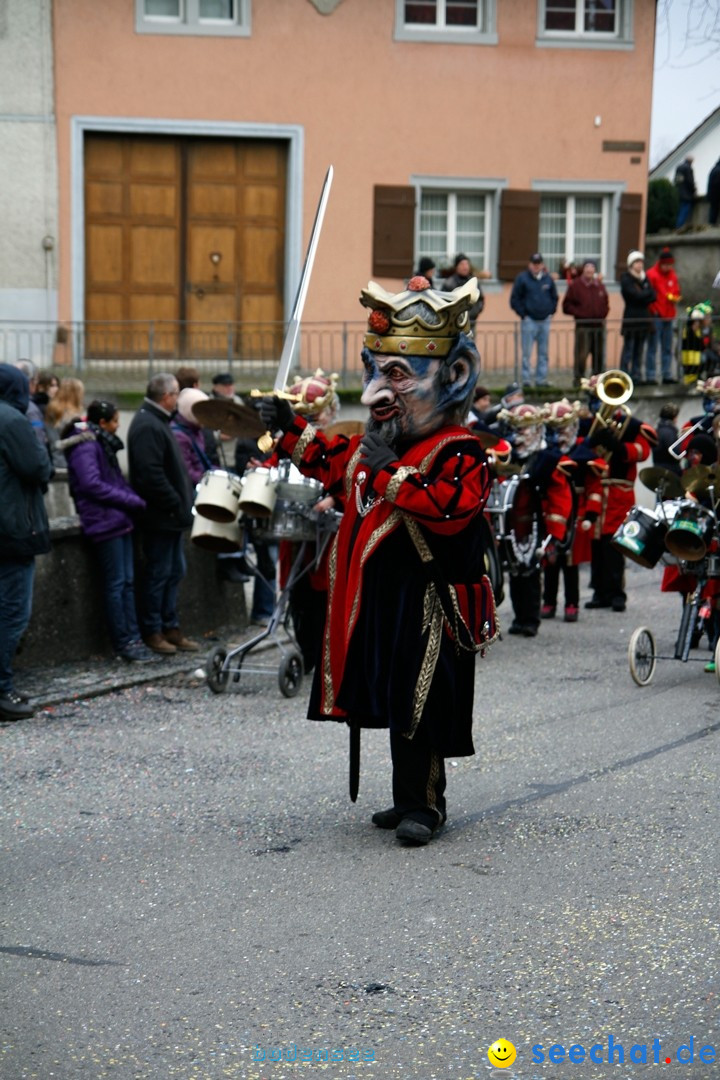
[
  {"x": 418, "y": 283},
  {"x": 378, "y": 321}
]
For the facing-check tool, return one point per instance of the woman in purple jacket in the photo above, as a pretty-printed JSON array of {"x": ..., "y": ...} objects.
[{"x": 105, "y": 502}]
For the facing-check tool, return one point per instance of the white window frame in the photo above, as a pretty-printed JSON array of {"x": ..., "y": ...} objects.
[
  {"x": 453, "y": 186},
  {"x": 610, "y": 193},
  {"x": 484, "y": 34},
  {"x": 622, "y": 38},
  {"x": 190, "y": 22}
]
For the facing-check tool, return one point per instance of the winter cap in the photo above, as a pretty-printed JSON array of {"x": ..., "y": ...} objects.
[
  {"x": 666, "y": 255},
  {"x": 187, "y": 398},
  {"x": 460, "y": 258},
  {"x": 224, "y": 379},
  {"x": 634, "y": 256},
  {"x": 425, "y": 264},
  {"x": 536, "y": 257}
]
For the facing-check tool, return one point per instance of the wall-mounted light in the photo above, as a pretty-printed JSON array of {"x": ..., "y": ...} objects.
[
  {"x": 48, "y": 243},
  {"x": 597, "y": 121}
]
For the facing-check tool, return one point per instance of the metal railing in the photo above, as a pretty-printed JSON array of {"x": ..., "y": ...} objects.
[{"x": 125, "y": 354}]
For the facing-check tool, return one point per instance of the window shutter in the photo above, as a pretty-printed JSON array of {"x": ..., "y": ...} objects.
[
  {"x": 628, "y": 230},
  {"x": 519, "y": 231},
  {"x": 393, "y": 231}
]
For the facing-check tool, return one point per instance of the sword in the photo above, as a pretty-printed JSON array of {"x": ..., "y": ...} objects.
[
  {"x": 354, "y": 760},
  {"x": 293, "y": 331}
]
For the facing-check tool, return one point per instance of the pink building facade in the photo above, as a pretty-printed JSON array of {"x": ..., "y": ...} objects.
[{"x": 194, "y": 135}]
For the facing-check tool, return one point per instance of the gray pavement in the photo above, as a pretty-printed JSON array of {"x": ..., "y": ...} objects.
[{"x": 185, "y": 884}]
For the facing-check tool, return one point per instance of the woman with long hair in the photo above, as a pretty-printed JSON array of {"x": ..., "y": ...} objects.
[
  {"x": 105, "y": 503},
  {"x": 65, "y": 407}
]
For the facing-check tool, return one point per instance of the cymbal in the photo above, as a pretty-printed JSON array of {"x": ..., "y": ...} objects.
[
  {"x": 656, "y": 478},
  {"x": 238, "y": 421},
  {"x": 486, "y": 439},
  {"x": 344, "y": 427},
  {"x": 699, "y": 478}
]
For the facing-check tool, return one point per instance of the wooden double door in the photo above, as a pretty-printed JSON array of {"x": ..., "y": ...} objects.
[{"x": 184, "y": 246}]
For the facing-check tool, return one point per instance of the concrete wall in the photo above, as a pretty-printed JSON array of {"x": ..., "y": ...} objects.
[
  {"x": 697, "y": 262},
  {"x": 28, "y": 163}
]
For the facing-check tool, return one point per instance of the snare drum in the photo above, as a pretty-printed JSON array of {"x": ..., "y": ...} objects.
[
  {"x": 294, "y": 487},
  {"x": 218, "y": 495},
  {"x": 259, "y": 492},
  {"x": 287, "y": 522},
  {"x": 689, "y": 535},
  {"x": 219, "y": 536},
  {"x": 641, "y": 536}
]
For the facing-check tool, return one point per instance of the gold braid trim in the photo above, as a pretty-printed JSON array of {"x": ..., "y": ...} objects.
[
  {"x": 328, "y": 696},
  {"x": 477, "y": 647},
  {"x": 433, "y": 777},
  {"x": 433, "y": 614},
  {"x": 400, "y": 476},
  {"x": 302, "y": 444},
  {"x": 349, "y": 470}
]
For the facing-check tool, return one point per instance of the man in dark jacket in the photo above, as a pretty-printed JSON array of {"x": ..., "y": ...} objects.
[
  {"x": 713, "y": 193},
  {"x": 534, "y": 298},
  {"x": 586, "y": 299},
  {"x": 686, "y": 189},
  {"x": 24, "y": 473},
  {"x": 159, "y": 476}
]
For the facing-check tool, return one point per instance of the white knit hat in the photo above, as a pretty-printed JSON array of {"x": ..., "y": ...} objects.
[
  {"x": 189, "y": 397},
  {"x": 634, "y": 256}
]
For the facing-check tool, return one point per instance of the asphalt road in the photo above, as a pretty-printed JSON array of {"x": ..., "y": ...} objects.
[{"x": 185, "y": 884}]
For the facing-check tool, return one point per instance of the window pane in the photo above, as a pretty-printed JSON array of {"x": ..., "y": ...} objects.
[
  {"x": 553, "y": 220},
  {"x": 432, "y": 234},
  {"x": 216, "y": 9},
  {"x": 470, "y": 228},
  {"x": 421, "y": 11},
  {"x": 162, "y": 9},
  {"x": 600, "y": 16},
  {"x": 560, "y": 14},
  {"x": 588, "y": 228},
  {"x": 461, "y": 13}
]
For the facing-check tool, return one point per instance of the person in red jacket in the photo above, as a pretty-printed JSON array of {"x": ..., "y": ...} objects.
[
  {"x": 586, "y": 299},
  {"x": 665, "y": 282}
]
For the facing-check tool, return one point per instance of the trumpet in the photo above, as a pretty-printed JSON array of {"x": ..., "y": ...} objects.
[{"x": 614, "y": 388}]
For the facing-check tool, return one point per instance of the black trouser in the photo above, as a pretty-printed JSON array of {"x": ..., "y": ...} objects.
[
  {"x": 571, "y": 581},
  {"x": 525, "y": 597},
  {"x": 608, "y": 571},
  {"x": 418, "y": 778},
  {"x": 589, "y": 339}
]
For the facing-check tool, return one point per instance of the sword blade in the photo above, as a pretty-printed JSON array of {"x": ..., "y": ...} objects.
[
  {"x": 354, "y": 761},
  {"x": 293, "y": 331}
]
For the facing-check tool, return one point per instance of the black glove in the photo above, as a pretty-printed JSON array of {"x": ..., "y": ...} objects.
[
  {"x": 276, "y": 413},
  {"x": 375, "y": 453},
  {"x": 591, "y": 516},
  {"x": 605, "y": 438}
]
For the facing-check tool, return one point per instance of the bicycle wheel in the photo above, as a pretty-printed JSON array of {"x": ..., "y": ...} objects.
[{"x": 641, "y": 655}]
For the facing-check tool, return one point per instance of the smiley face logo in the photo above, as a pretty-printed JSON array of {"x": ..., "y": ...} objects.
[{"x": 501, "y": 1054}]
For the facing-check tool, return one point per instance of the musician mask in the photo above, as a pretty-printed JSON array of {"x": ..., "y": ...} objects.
[
  {"x": 562, "y": 418},
  {"x": 420, "y": 365},
  {"x": 527, "y": 422}
]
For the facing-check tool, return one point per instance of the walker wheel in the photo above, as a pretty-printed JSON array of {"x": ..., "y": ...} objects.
[
  {"x": 290, "y": 673},
  {"x": 217, "y": 679},
  {"x": 641, "y": 655},
  {"x": 716, "y": 658}
]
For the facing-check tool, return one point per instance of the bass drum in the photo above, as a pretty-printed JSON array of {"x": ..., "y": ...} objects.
[{"x": 491, "y": 559}]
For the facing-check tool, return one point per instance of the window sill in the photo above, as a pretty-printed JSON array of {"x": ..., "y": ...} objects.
[
  {"x": 446, "y": 37},
  {"x": 584, "y": 42}
]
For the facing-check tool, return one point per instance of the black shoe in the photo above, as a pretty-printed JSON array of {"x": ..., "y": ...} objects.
[
  {"x": 515, "y": 628},
  {"x": 529, "y": 630},
  {"x": 234, "y": 570},
  {"x": 618, "y": 605},
  {"x": 387, "y": 819},
  {"x": 13, "y": 707},
  {"x": 595, "y": 603},
  {"x": 138, "y": 653},
  {"x": 413, "y": 833}
]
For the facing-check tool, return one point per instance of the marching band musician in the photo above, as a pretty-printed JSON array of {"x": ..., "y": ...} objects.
[
  {"x": 623, "y": 441},
  {"x": 547, "y": 493},
  {"x": 408, "y": 605}
]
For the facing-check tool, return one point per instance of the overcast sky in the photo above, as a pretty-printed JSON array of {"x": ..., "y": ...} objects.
[{"x": 686, "y": 86}]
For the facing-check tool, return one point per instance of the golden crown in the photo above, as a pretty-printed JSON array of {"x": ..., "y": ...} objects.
[{"x": 420, "y": 321}]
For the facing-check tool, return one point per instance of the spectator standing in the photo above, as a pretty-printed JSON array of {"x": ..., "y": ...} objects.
[
  {"x": 159, "y": 476},
  {"x": 665, "y": 282},
  {"x": 534, "y": 298},
  {"x": 47, "y": 386},
  {"x": 24, "y": 532},
  {"x": 638, "y": 295},
  {"x": 106, "y": 503},
  {"x": 426, "y": 269},
  {"x": 713, "y": 193},
  {"x": 586, "y": 300},
  {"x": 667, "y": 434},
  {"x": 34, "y": 413},
  {"x": 67, "y": 405},
  {"x": 462, "y": 272},
  {"x": 686, "y": 189},
  {"x": 189, "y": 435},
  {"x": 189, "y": 379}
]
